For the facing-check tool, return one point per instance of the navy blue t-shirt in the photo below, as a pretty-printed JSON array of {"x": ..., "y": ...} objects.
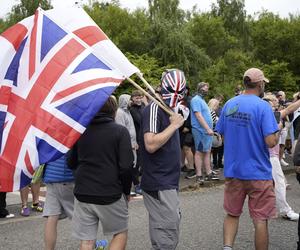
[{"x": 161, "y": 169}]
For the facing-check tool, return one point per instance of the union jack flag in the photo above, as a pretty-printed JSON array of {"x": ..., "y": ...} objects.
[{"x": 57, "y": 70}]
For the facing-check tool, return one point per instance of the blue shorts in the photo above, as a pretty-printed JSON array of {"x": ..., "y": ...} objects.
[{"x": 203, "y": 142}]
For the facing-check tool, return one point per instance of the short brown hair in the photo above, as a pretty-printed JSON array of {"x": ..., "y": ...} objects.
[
  {"x": 109, "y": 107},
  {"x": 200, "y": 85},
  {"x": 137, "y": 93}
]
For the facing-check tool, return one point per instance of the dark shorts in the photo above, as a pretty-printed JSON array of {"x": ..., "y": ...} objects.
[
  {"x": 261, "y": 198},
  {"x": 186, "y": 139},
  {"x": 296, "y": 125}
]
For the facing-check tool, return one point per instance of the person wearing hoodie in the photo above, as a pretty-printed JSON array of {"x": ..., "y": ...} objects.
[
  {"x": 102, "y": 161},
  {"x": 136, "y": 109},
  {"x": 124, "y": 118}
]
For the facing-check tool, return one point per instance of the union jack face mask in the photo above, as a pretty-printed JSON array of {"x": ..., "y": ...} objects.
[{"x": 173, "y": 85}]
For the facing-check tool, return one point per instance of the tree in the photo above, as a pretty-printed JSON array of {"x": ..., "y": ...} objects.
[
  {"x": 171, "y": 42},
  {"x": 227, "y": 72},
  {"x": 166, "y": 10},
  {"x": 129, "y": 31},
  {"x": 208, "y": 32},
  {"x": 149, "y": 66},
  {"x": 277, "y": 39},
  {"x": 25, "y": 9},
  {"x": 234, "y": 16},
  {"x": 281, "y": 78},
  {"x": 3, "y": 25}
]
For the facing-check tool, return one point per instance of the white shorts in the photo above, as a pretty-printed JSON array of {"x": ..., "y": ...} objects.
[{"x": 282, "y": 136}]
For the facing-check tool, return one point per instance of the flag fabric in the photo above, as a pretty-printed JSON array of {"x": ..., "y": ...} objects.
[{"x": 57, "y": 70}]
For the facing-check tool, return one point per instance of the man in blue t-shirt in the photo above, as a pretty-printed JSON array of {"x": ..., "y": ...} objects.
[
  {"x": 249, "y": 129},
  {"x": 160, "y": 150},
  {"x": 202, "y": 129}
]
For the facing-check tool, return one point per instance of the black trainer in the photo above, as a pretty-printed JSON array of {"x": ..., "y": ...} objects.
[
  {"x": 200, "y": 180},
  {"x": 191, "y": 174},
  {"x": 212, "y": 177},
  {"x": 185, "y": 169}
]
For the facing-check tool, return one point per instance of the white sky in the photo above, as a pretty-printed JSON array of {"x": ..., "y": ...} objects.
[{"x": 281, "y": 7}]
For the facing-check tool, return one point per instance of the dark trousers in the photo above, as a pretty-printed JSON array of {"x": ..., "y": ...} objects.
[
  {"x": 217, "y": 154},
  {"x": 3, "y": 211},
  {"x": 298, "y": 243},
  {"x": 137, "y": 170}
]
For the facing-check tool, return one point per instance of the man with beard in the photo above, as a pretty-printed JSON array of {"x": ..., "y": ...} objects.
[
  {"x": 249, "y": 129},
  {"x": 202, "y": 129}
]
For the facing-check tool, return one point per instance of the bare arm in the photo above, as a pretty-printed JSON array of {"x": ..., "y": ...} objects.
[
  {"x": 290, "y": 109},
  {"x": 153, "y": 141},
  {"x": 203, "y": 123},
  {"x": 272, "y": 140}
]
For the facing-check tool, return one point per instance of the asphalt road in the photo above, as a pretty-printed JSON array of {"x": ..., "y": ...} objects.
[{"x": 201, "y": 226}]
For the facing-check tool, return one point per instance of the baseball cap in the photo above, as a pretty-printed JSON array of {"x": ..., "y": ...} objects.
[{"x": 255, "y": 75}]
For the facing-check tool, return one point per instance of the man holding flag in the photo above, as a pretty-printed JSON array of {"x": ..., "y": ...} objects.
[{"x": 160, "y": 150}]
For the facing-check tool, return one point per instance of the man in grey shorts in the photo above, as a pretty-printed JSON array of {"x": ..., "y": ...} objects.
[
  {"x": 103, "y": 160},
  {"x": 59, "y": 198},
  {"x": 160, "y": 150}
]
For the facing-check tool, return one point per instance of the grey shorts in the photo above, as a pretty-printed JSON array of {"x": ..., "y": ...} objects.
[
  {"x": 113, "y": 217},
  {"x": 164, "y": 219},
  {"x": 59, "y": 200}
]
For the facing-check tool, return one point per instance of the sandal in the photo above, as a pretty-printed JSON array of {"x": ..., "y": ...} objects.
[{"x": 38, "y": 207}]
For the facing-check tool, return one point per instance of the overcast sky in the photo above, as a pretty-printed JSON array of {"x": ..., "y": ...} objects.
[{"x": 281, "y": 7}]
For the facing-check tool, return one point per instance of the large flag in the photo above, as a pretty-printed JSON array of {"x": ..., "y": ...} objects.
[{"x": 57, "y": 69}]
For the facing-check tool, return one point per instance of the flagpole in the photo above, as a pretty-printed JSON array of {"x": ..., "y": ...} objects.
[
  {"x": 167, "y": 110},
  {"x": 139, "y": 74}
]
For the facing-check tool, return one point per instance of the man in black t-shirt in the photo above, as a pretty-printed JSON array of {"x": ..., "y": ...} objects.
[{"x": 160, "y": 148}]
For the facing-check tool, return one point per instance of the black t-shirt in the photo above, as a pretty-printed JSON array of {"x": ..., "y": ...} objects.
[{"x": 161, "y": 169}]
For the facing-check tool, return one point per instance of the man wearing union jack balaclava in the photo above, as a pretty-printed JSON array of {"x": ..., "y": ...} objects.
[{"x": 160, "y": 150}]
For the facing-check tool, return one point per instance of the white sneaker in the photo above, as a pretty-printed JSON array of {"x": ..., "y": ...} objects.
[
  {"x": 291, "y": 215},
  {"x": 10, "y": 216},
  {"x": 283, "y": 163}
]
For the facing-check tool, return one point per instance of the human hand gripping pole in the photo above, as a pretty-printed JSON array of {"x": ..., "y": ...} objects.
[{"x": 176, "y": 120}]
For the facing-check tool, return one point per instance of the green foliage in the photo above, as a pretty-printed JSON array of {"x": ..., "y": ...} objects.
[
  {"x": 149, "y": 66},
  {"x": 280, "y": 78},
  {"x": 210, "y": 34},
  {"x": 3, "y": 25},
  {"x": 171, "y": 42},
  {"x": 227, "y": 72},
  {"x": 128, "y": 31},
  {"x": 25, "y": 9},
  {"x": 277, "y": 39},
  {"x": 233, "y": 14}
]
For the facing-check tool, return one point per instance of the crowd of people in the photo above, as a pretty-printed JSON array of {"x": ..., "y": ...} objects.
[{"x": 133, "y": 146}]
